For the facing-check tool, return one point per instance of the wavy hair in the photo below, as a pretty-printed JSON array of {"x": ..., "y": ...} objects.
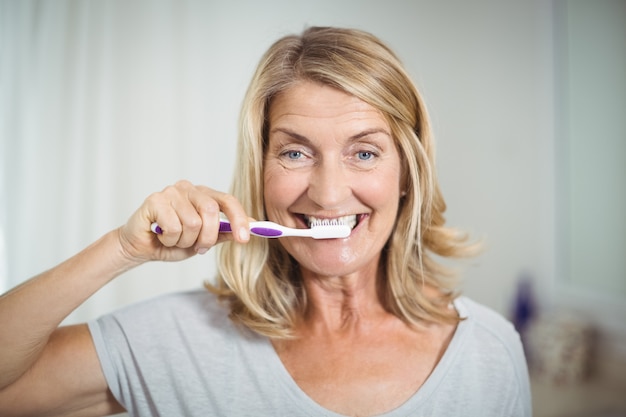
[{"x": 260, "y": 280}]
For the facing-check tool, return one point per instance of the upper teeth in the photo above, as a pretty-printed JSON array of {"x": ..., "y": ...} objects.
[{"x": 345, "y": 220}]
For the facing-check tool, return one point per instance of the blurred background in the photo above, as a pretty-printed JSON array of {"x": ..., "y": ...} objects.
[{"x": 104, "y": 102}]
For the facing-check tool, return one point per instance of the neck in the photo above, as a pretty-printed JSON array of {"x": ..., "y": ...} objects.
[{"x": 342, "y": 304}]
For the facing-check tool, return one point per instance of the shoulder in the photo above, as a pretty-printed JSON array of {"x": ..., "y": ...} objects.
[
  {"x": 188, "y": 304},
  {"x": 491, "y": 351},
  {"x": 486, "y": 319},
  {"x": 175, "y": 353},
  {"x": 193, "y": 314},
  {"x": 486, "y": 330}
]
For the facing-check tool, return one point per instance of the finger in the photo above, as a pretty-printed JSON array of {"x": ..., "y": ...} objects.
[
  {"x": 193, "y": 218},
  {"x": 174, "y": 215},
  {"x": 237, "y": 217},
  {"x": 226, "y": 236},
  {"x": 210, "y": 204},
  {"x": 168, "y": 223},
  {"x": 157, "y": 210},
  {"x": 208, "y": 211},
  {"x": 190, "y": 221}
]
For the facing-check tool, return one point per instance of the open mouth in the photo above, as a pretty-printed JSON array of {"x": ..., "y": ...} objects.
[{"x": 350, "y": 220}]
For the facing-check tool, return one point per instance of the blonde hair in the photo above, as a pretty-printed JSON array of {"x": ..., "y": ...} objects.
[{"x": 261, "y": 280}]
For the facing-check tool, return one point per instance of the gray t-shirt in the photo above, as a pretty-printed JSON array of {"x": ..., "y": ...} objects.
[{"x": 180, "y": 355}]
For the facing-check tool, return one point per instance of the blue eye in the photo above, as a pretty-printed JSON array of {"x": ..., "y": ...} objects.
[
  {"x": 365, "y": 155},
  {"x": 293, "y": 154}
]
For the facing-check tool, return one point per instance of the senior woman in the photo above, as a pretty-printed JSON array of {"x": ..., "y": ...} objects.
[{"x": 331, "y": 128}]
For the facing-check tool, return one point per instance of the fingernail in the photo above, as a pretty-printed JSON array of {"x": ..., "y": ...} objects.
[
  {"x": 202, "y": 251},
  {"x": 244, "y": 233}
]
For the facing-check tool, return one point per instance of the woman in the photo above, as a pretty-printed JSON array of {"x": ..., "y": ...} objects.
[{"x": 331, "y": 128}]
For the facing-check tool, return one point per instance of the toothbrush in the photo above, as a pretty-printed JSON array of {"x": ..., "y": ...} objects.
[{"x": 326, "y": 229}]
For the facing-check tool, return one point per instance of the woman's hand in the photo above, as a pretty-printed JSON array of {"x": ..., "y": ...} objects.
[
  {"x": 34, "y": 351},
  {"x": 189, "y": 216}
]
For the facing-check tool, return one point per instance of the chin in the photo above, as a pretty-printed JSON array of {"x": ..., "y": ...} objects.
[{"x": 337, "y": 262}]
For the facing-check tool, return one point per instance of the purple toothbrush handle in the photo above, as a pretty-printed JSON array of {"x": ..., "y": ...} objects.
[
  {"x": 225, "y": 227},
  {"x": 264, "y": 231},
  {"x": 259, "y": 231}
]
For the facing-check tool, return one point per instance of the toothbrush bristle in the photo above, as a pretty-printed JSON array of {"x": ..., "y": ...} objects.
[{"x": 330, "y": 229}]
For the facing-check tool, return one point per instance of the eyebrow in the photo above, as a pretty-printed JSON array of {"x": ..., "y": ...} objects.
[
  {"x": 292, "y": 134},
  {"x": 305, "y": 140}
]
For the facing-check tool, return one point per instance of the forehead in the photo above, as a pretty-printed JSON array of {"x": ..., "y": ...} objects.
[{"x": 308, "y": 101}]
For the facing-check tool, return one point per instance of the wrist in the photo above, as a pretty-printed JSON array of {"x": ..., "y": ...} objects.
[{"x": 123, "y": 256}]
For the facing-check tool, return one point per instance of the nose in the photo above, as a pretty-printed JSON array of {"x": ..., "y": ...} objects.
[{"x": 329, "y": 185}]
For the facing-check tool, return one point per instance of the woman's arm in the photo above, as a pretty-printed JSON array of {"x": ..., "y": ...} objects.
[
  {"x": 39, "y": 361},
  {"x": 66, "y": 380},
  {"x": 44, "y": 367}
]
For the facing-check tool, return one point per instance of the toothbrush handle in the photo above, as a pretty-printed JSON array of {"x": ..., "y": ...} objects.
[
  {"x": 156, "y": 229},
  {"x": 225, "y": 227},
  {"x": 263, "y": 229}
]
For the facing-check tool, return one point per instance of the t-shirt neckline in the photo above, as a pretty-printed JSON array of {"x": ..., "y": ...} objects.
[{"x": 286, "y": 382}]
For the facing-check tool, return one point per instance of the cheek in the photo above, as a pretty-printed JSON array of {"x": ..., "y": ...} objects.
[
  {"x": 381, "y": 188},
  {"x": 280, "y": 188}
]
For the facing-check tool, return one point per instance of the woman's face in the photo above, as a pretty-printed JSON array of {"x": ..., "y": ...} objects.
[{"x": 331, "y": 156}]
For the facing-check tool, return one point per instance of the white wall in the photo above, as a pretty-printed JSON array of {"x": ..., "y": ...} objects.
[
  {"x": 591, "y": 170},
  {"x": 594, "y": 157},
  {"x": 103, "y": 102}
]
